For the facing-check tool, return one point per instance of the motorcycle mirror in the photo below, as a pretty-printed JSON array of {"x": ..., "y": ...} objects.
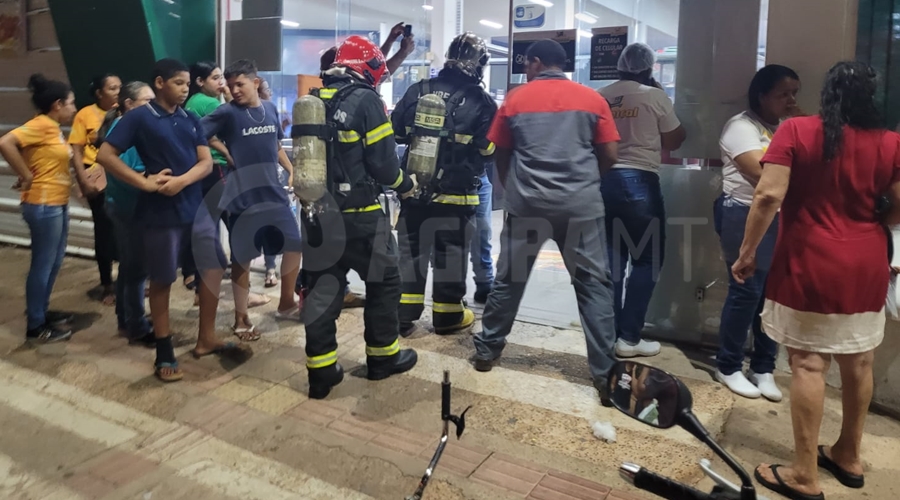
[
  {"x": 661, "y": 400},
  {"x": 648, "y": 394}
]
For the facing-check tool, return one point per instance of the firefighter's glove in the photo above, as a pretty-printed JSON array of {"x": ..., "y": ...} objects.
[{"x": 411, "y": 192}]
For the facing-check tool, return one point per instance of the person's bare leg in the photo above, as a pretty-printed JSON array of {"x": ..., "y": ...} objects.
[
  {"x": 159, "y": 312},
  {"x": 208, "y": 288},
  {"x": 290, "y": 268},
  {"x": 807, "y": 407},
  {"x": 857, "y": 384},
  {"x": 240, "y": 285}
]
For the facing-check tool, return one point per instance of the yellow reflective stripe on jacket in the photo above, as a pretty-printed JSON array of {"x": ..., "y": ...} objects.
[
  {"x": 325, "y": 93},
  {"x": 322, "y": 361},
  {"x": 412, "y": 298},
  {"x": 384, "y": 351},
  {"x": 457, "y": 199},
  {"x": 445, "y": 308},
  {"x": 397, "y": 182},
  {"x": 462, "y": 139},
  {"x": 488, "y": 151},
  {"x": 370, "y": 208},
  {"x": 348, "y": 136},
  {"x": 378, "y": 133}
]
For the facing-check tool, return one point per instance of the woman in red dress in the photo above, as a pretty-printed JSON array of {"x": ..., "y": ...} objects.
[{"x": 828, "y": 282}]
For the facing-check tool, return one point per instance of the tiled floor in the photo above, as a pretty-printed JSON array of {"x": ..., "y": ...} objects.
[{"x": 86, "y": 419}]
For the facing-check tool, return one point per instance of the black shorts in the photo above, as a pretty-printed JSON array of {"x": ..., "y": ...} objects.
[{"x": 272, "y": 231}]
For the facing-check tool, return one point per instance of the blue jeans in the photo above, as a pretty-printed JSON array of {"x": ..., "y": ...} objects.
[
  {"x": 744, "y": 302},
  {"x": 636, "y": 228},
  {"x": 49, "y": 226},
  {"x": 480, "y": 246},
  {"x": 132, "y": 273}
]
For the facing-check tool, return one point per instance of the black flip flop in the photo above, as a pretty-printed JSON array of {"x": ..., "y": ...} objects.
[
  {"x": 783, "y": 489},
  {"x": 847, "y": 479}
]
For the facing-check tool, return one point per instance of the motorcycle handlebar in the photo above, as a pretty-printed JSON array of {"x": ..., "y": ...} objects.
[{"x": 667, "y": 488}]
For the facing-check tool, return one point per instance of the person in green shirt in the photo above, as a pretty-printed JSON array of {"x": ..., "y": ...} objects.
[{"x": 206, "y": 94}]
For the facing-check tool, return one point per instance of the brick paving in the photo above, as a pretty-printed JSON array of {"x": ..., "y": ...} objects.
[{"x": 515, "y": 476}]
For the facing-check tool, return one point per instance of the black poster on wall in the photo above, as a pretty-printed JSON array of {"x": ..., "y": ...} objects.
[
  {"x": 606, "y": 47},
  {"x": 521, "y": 42}
]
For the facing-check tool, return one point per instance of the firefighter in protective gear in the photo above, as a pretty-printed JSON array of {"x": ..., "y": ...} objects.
[
  {"x": 350, "y": 230},
  {"x": 436, "y": 226}
]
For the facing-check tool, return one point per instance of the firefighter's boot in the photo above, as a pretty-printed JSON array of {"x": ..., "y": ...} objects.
[
  {"x": 382, "y": 367},
  {"x": 322, "y": 380},
  {"x": 468, "y": 319}
]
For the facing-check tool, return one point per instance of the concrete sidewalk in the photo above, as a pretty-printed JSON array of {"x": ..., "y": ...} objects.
[{"x": 86, "y": 419}]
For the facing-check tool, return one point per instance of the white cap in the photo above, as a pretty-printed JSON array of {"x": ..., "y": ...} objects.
[{"x": 636, "y": 58}]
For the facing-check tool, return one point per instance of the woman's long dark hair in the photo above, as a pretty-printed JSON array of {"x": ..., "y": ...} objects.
[
  {"x": 201, "y": 70},
  {"x": 130, "y": 90},
  {"x": 848, "y": 98}
]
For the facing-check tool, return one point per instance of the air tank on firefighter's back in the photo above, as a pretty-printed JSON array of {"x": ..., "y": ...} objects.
[
  {"x": 310, "y": 154},
  {"x": 423, "y": 149}
]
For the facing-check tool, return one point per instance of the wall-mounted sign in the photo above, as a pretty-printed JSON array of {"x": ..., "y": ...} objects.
[
  {"x": 529, "y": 16},
  {"x": 521, "y": 42},
  {"x": 606, "y": 47}
]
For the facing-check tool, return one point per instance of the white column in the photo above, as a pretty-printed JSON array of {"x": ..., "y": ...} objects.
[
  {"x": 443, "y": 30},
  {"x": 717, "y": 45},
  {"x": 826, "y": 35}
]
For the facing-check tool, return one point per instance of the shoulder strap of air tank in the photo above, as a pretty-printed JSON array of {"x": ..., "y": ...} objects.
[
  {"x": 452, "y": 103},
  {"x": 344, "y": 92}
]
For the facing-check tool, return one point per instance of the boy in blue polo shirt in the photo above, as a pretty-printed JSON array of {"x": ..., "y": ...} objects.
[
  {"x": 176, "y": 155},
  {"x": 260, "y": 216}
]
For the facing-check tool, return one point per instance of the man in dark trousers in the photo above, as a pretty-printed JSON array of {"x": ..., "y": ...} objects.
[
  {"x": 436, "y": 227},
  {"x": 351, "y": 231},
  {"x": 554, "y": 138}
]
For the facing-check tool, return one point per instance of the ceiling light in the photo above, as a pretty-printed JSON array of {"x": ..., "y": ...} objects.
[
  {"x": 586, "y": 18},
  {"x": 290, "y": 24},
  {"x": 428, "y": 7},
  {"x": 545, "y": 3},
  {"x": 490, "y": 24},
  {"x": 585, "y": 33}
]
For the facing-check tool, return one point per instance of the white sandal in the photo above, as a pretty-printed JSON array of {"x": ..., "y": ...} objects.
[
  {"x": 291, "y": 314},
  {"x": 246, "y": 334}
]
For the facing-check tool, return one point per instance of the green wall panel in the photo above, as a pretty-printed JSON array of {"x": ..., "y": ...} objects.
[{"x": 126, "y": 37}]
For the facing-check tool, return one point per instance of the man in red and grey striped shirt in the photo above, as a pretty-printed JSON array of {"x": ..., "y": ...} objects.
[{"x": 554, "y": 138}]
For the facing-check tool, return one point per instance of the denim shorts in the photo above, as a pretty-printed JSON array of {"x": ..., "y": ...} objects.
[{"x": 164, "y": 246}]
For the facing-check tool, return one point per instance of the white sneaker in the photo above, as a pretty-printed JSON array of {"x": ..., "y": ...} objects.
[
  {"x": 644, "y": 348},
  {"x": 739, "y": 384},
  {"x": 767, "y": 386}
]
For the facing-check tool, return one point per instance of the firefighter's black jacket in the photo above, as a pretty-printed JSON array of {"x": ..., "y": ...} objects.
[
  {"x": 364, "y": 149},
  {"x": 464, "y": 160}
]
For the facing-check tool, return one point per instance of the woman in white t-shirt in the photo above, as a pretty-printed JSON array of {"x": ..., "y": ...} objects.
[
  {"x": 772, "y": 98},
  {"x": 635, "y": 215}
]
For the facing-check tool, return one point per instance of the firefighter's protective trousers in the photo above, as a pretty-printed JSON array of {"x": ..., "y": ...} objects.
[
  {"x": 437, "y": 233},
  {"x": 362, "y": 242}
]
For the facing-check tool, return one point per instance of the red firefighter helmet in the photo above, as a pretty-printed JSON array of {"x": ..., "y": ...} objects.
[{"x": 361, "y": 56}]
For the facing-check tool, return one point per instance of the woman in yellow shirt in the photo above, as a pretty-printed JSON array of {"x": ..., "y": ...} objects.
[
  {"x": 92, "y": 178},
  {"x": 38, "y": 153}
]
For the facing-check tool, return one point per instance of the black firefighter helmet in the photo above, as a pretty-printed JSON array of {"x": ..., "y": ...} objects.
[{"x": 469, "y": 54}]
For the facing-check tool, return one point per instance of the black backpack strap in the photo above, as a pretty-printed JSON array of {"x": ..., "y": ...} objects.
[{"x": 452, "y": 103}]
